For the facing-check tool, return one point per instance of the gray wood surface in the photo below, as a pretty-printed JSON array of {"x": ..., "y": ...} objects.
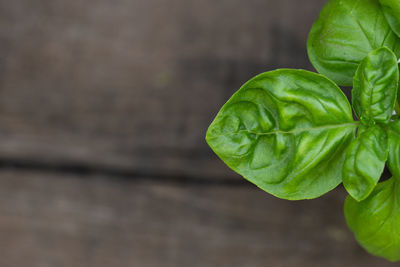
[{"x": 49, "y": 219}]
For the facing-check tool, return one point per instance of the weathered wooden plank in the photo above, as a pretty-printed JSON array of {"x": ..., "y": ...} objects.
[
  {"x": 134, "y": 84},
  {"x": 60, "y": 220}
]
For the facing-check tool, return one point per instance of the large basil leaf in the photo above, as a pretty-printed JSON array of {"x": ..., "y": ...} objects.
[
  {"x": 345, "y": 32},
  {"x": 375, "y": 86},
  {"x": 394, "y": 148},
  {"x": 391, "y": 9},
  {"x": 376, "y": 220},
  {"x": 286, "y": 131},
  {"x": 365, "y": 161}
]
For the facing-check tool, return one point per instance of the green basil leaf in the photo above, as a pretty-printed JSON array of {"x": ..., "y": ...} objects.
[
  {"x": 394, "y": 148},
  {"x": 375, "y": 86},
  {"x": 345, "y": 32},
  {"x": 286, "y": 131},
  {"x": 365, "y": 161},
  {"x": 391, "y": 9},
  {"x": 376, "y": 220}
]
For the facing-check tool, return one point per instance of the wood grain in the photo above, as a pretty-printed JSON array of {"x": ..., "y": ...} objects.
[{"x": 60, "y": 220}]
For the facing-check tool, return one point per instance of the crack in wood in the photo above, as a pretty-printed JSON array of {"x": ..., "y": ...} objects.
[{"x": 87, "y": 171}]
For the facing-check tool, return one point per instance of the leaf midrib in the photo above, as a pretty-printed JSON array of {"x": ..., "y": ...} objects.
[{"x": 297, "y": 130}]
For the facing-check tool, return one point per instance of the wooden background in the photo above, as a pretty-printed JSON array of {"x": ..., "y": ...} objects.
[{"x": 103, "y": 111}]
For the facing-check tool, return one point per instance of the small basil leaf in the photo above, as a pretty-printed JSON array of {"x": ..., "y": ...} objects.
[
  {"x": 391, "y": 9},
  {"x": 365, "y": 161},
  {"x": 345, "y": 32},
  {"x": 375, "y": 221},
  {"x": 394, "y": 148},
  {"x": 286, "y": 131},
  {"x": 375, "y": 86}
]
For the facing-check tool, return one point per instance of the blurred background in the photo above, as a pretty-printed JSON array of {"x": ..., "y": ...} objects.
[{"x": 104, "y": 107}]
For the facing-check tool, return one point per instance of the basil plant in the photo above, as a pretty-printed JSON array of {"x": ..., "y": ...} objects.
[{"x": 292, "y": 132}]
